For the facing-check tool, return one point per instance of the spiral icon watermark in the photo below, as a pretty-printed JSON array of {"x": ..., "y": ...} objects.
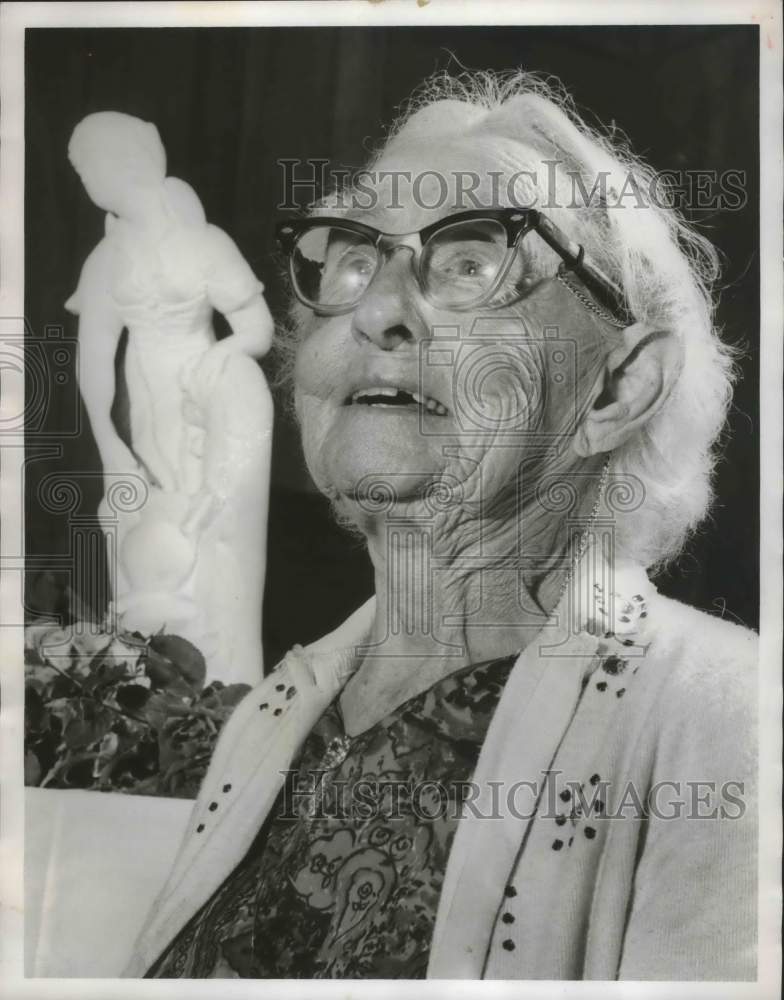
[
  {"x": 624, "y": 492},
  {"x": 125, "y": 494},
  {"x": 375, "y": 494},
  {"x": 59, "y": 493},
  {"x": 443, "y": 494},
  {"x": 558, "y": 494}
]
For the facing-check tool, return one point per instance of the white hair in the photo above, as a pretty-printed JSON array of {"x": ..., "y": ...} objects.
[{"x": 666, "y": 269}]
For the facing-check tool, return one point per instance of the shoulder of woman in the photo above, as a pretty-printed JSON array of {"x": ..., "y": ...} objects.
[
  {"x": 707, "y": 691},
  {"x": 95, "y": 276},
  {"x": 702, "y": 645},
  {"x": 185, "y": 202},
  {"x": 220, "y": 245},
  {"x": 100, "y": 257},
  {"x": 230, "y": 278}
]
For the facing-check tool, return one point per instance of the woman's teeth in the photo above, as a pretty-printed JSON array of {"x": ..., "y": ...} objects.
[{"x": 388, "y": 396}]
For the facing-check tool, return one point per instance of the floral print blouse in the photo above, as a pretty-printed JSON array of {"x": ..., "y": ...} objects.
[{"x": 344, "y": 877}]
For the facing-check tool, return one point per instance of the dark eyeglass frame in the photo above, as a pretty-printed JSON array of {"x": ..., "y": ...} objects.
[{"x": 516, "y": 222}]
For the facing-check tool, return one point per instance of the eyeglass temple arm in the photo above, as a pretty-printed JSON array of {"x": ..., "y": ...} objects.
[{"x": 608, "y": 293}]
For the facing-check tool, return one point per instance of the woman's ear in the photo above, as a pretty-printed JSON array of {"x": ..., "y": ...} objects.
[{"x": 634, "y": 382}]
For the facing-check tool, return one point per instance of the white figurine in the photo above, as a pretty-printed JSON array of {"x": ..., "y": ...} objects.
[{"x": 191, "y": 560}]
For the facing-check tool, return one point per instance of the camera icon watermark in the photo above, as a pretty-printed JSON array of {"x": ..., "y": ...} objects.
[
  {"x": 47, "y": 365},
  {"x": 501, "y": 376}
]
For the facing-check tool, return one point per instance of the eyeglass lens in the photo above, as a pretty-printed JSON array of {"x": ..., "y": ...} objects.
[{"x": 459, "y": 264}]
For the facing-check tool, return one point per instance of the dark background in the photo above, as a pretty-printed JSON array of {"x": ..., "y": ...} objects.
[{"x": 230, "y": 102}]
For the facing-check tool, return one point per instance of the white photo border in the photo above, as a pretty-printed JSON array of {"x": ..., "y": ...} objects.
[{"x": 14, "y": 19}]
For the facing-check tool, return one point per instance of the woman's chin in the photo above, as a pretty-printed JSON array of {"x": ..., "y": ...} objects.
[{"x": 376, "y": 475}]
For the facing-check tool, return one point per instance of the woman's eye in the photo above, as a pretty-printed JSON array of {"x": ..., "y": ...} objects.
[
  {"x": 456, "y": 264},
  {"x": 469, "y": 268},
  {"x": 359, "y": 263},
  {"x": 347, "y": 272}
]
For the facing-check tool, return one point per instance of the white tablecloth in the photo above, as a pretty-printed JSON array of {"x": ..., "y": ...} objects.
[{"x": 93, "y": 864}]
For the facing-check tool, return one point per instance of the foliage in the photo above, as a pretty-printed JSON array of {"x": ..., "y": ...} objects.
[{"x": 119, "y": 712}]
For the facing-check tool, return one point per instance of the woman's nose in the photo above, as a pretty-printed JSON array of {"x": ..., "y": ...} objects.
[{"x": 386, "y": 314}]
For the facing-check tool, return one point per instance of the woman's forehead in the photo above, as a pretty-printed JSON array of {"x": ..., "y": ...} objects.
[{"x": 416, "y": 185}]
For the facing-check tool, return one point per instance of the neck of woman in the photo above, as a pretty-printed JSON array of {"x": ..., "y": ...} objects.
[
  {"x": 150, "y": 212},
  {"x": 454, "y": 590}
]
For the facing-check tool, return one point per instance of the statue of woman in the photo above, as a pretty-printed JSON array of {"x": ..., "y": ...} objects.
[{"x": 191, "y": 559}]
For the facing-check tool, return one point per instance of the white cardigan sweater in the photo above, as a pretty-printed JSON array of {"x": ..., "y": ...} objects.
[{"x": 666, "y": 702}]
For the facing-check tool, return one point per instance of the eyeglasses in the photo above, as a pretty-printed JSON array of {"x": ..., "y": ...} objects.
[{"x": 459, "y": 262}]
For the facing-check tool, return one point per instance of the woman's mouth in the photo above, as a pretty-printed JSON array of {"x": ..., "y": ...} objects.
[{"x": 390, "y": 397}]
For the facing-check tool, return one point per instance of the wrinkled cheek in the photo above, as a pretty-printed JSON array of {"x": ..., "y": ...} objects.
[
  {"x": 304, "y": 378},
  {"x": 497, "y": 392},
  {"x": 497, "y": 403},
  {"x": 321, "y": 360},
  {"x": 569, "y": 375},
  {"x": 317, "y": 369},
  {"x": 313, "y": 430}
]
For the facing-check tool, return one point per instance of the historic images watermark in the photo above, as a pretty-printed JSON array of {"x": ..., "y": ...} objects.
[
  {"x": 320, "y": 795},
  {"x": 304, "y": 183}
]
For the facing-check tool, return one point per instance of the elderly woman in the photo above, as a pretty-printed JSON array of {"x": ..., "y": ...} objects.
[{"x": 517, "y": 760}]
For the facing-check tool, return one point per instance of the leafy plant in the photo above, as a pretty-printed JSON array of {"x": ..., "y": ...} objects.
[{"x": 119, "y": 712}]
